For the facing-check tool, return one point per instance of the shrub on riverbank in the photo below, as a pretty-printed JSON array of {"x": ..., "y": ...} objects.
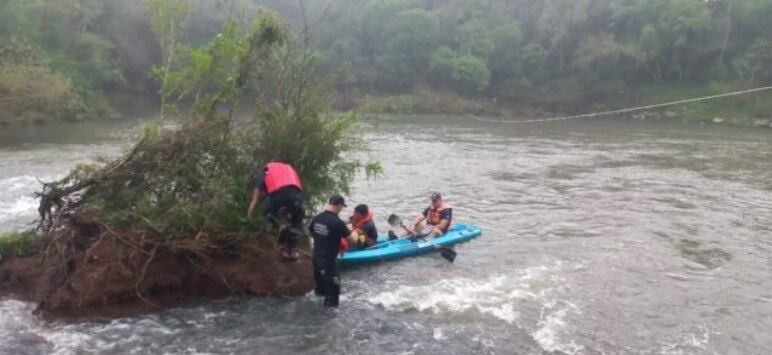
[
  {"x": 18, "y": 244},
  {"x": 425, "y": 102},
  {"x": 35, "y": 94}
]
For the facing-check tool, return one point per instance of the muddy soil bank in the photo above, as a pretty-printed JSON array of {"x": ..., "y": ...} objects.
[{"x": 96, "y": 272}]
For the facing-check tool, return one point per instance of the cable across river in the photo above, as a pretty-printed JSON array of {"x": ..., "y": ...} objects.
[{"x": 626, "y": 110}]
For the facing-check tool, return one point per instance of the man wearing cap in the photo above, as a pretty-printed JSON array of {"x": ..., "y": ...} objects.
[
  {"x": 329, "y": 233},
  {"x": 438, "y": 214}
]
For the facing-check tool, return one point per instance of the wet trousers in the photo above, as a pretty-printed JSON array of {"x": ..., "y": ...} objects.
[{"x": 327, "y": 278}]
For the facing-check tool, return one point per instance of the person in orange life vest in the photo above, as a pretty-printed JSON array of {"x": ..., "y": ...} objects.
[
  {"x": 281, "y": 185},
  {"x": 438, "y": 214},
  {"x": 363, "y": 231}
]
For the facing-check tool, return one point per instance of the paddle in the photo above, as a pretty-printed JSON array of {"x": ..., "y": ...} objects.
[
  {"x": 446, "y": 253},
  {"x": 393, "y": 237}
]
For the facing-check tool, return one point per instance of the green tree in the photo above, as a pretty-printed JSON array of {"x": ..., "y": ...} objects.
[
  {"x": 670, "y": 34},
  {"x": 474, "y": 37},
  {"x": 67, "y": 40},
  {"x": 506, "y": 59},
  {"x": 603, "y": 56},
  {"x": 558, "y": 26},
  {"x": 467, "y": 72},
  {"x": 408, "y": 41},
  {"x": 377, "y": 22},
  {"x": 168, "y": 19},
  {"x": 755, "y": 64}
]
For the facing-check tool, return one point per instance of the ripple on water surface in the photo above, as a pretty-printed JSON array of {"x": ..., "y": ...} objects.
[{"x": 678, "y": 261}]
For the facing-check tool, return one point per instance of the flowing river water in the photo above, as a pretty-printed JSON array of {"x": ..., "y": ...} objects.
[{"x": 599, "y": 237}]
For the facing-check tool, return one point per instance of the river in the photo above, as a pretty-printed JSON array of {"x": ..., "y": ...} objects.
[{"x": 599, "y": 237}]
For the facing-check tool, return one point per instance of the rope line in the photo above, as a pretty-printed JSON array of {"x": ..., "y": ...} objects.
[
  {"x": 21, "y": 97},
  {"x": 625, "y": 110}
]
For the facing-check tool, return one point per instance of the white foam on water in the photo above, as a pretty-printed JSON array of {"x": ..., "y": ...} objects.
[
  {"x": 17, "y": 202},
  {"x": 499, "y": 296},
  {"x": 553, "y": 328},
  {"x": 689, "y": 343},
  {"x": 16, "y": 183},
  {"x": 19, "y": 328},
  {"x": 69, "y": 341},
  {"x": 17, "y": 321},
  {"x": 438, "y": 334},
  {"x": 21, "y": 207},
  {"x": 15, "y": 315},
  {"x": 456, "y": 295},
  {"x": 99, "y": 338}
]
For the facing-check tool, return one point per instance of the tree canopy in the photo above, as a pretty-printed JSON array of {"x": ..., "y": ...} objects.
[{"x": 508, "y": 49}]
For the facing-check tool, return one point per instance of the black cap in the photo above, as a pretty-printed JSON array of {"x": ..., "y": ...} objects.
[
  {"x": 436, "y": 197},
  {"x": 337, "y": 200}
]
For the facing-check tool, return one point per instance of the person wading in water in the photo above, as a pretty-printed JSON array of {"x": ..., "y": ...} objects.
[
  {"x": 281, "y": 185},
  {"x": 329, "y": 233}
]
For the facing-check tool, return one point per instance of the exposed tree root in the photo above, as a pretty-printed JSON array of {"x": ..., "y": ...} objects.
[{"x": 98, "y": 272}]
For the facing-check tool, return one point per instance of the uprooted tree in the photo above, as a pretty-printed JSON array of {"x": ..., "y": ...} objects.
[
  {"x": 182, "y": 189},
  {"x": 192, "y": 177}
]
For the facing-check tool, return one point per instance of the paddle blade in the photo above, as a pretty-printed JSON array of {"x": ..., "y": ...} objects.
[
  {"x": 394, "y": 220},
  {"x": 448, "y": 254}
]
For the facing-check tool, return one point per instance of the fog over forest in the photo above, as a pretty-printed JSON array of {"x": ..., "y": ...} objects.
[{"x": 79, "y": 59}]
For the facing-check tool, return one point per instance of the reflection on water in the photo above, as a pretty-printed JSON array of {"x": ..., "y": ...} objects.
[{"x": 599, "y": 237}]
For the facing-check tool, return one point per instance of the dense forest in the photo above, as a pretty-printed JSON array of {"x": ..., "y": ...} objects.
[{"x": 81, "y": 58}]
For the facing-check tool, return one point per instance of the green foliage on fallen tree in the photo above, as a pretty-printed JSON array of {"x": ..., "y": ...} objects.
[{"x": 191, "y": 179}]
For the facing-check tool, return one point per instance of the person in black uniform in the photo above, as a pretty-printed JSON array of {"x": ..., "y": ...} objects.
[{"x": 329, "y": 232}]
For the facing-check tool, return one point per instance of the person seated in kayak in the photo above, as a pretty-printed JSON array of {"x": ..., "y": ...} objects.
[
  {"x": 363, "y": 231},
  {"x": 438, "y": 215},
  {"x": 281, "y": 185}
]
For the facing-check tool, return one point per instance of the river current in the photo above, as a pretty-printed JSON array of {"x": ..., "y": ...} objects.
[{"x": 599, "y": 237}]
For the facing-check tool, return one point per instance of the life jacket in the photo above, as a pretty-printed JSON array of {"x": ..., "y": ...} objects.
[
  {"x": 278, "y": 175},
  {"x": 434, "y": 217},
  {"x": 358, "y": 223}
]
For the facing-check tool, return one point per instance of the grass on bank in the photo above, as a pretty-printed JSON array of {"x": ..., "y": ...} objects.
[
  {"x": 742, "y": 109},
  {"x": 738, "y": 110},
  {"x": 17, "y": 244},
  {"x": 423, "y": 102}
]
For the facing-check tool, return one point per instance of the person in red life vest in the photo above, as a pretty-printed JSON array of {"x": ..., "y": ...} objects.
[
  {"x": 363, "y": 231},
  {"x": 281, "y": 185},
  {"x": 438, "y": 214}
]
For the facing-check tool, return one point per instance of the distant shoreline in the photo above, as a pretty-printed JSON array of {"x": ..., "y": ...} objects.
[{"x": 737, "y": 111}]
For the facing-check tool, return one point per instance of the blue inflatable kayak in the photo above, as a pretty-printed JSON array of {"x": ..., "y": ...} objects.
[{"x": 387, "y": 250}]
